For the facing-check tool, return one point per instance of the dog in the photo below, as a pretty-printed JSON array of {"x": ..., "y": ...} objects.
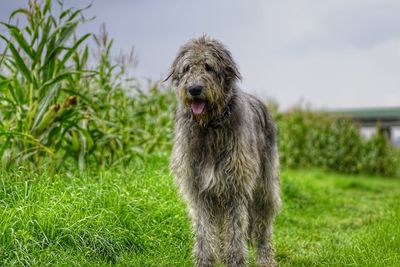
[{"x": 224, "y": 158}]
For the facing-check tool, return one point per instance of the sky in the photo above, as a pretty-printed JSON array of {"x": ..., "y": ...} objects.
[{"x": 328, "y": 54}]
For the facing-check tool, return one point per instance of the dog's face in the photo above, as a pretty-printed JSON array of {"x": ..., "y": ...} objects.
[{"x": 204, "y": 74}]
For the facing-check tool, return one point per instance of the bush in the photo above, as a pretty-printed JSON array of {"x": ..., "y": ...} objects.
[{"x": 320, "y": 139}]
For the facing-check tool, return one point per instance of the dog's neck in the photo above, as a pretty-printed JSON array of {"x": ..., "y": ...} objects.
[{"x": 219, "y": 120}]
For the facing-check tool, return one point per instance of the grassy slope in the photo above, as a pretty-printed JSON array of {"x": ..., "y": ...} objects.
[{"x": 133, "y": 217}]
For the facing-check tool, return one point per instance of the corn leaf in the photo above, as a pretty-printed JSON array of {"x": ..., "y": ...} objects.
[
  {"x": 74, "y": 48},
  {"x": 45, "y": 103},
  {"x": 19, "y": 62},
  {"x": 19, "y": 37},
  {"x": 19, "y": 11}
]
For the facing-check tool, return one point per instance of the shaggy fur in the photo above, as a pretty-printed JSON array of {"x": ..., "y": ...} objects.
[{"x": 224, "y": 158}]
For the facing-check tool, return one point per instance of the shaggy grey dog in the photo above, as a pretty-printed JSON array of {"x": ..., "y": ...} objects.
[{"x": 224, "y": 157}]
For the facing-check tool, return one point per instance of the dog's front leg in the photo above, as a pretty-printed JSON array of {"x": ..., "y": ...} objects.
[
  {"x": 236, "y": 228},
  {"x": 205, "y": 238}
]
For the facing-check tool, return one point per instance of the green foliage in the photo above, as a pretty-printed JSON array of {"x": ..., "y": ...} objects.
[
  {"x": 133, "y": 217},
  {"x": 56, "y": 110},
  {"x": 38, "y": 89},
  {"x": 320, "y": 139}
]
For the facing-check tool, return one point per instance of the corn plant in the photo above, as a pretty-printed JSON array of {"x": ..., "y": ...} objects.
[
  {"x": 55, "y": 109},
  {"x": 126, "y": 122},
  {"x": 41, "y": 84}
]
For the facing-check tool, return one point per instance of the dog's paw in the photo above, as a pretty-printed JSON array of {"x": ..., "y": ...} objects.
[{"x": 270, "y": 262}]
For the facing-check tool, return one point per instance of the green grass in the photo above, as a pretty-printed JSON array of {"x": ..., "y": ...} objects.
[
  {"x": 133, "y": 217},
  {"x": 338, "y": 220}
]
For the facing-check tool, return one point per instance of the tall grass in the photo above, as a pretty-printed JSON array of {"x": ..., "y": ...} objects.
[{"x": 56, "y": 110}]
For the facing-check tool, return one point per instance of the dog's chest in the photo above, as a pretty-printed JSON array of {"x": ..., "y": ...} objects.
[
  {"x": 211, "y": 149},
  {"x": 219, "y": 160}
]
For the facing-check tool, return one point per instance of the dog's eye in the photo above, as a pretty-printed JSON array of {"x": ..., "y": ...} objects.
[
  {"x": 186, "y": 68},
  {"x": 208, "y": 67}
]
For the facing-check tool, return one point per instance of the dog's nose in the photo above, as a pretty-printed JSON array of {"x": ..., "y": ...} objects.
[{"x": 195, "y": 90}]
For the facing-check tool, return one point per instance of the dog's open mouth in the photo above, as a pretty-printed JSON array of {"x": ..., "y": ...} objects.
[{"x": 197, "y": 106}]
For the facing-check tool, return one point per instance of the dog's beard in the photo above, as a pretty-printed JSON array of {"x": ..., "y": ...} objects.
[{"x": 205, "y": 108}]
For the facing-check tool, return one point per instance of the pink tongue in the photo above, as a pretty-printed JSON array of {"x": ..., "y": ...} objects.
[{"x": 197, "y": 107}]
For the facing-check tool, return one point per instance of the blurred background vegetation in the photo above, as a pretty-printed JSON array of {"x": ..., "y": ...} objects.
[{"x": 66, "y": 103}]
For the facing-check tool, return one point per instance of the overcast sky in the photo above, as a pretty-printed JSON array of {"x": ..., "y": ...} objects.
[{"x": 330, "y": 54}]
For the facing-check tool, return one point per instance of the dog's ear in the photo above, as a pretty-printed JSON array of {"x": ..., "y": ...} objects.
[
  {"x": 174, "y": 73},
  {"x": 234, "y": 71},
  {"x": 230, "y": 66},
  {"x": 171, "y": 73}
]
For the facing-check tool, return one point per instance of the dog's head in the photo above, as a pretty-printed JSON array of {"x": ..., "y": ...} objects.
[{"x": 204, "y": 74}]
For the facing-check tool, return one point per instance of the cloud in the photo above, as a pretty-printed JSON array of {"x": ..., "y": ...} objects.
[
  {"x": 333, "y": 53},
  {"x": 341, "y": 78}
]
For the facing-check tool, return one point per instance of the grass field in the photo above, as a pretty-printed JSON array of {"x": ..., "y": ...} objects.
[{"x": 133, "y": 217}]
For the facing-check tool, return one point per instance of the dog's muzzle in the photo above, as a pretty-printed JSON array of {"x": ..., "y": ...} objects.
[{"x": 195, "y": 90}]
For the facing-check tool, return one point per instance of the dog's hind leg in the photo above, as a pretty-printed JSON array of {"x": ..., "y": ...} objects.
[
  {"x": 266, "y": 204},
  {"x": 262, "y": 234}
]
